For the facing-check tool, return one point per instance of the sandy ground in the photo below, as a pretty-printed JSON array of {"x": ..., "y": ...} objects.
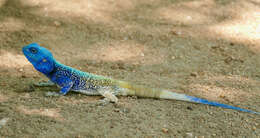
[{"x": 204, "y": 48}]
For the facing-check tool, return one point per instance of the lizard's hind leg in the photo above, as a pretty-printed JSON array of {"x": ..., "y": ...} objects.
[{"x": 108, "y": 94}]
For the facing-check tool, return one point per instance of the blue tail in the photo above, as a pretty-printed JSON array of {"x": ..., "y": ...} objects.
[{"x": 204, "y": 101}]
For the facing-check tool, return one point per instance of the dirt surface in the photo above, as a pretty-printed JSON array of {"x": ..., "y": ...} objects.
[{"x": 204, "y": 48}]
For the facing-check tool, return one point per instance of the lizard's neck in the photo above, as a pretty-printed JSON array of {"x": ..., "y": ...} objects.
[
  {"x": 51, "y": 72},
  {"x": 57, "y": 66}
]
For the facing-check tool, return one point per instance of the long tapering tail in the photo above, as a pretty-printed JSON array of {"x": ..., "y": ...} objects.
[{"x": 140, "y": 91}]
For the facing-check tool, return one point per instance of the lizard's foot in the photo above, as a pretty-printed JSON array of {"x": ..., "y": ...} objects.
[
  {"x": 44, "y": 84},
  {"x": 109, "y": 97},
  {"x": 103, "y": 102},
  {"x": 53, "y": 94}
]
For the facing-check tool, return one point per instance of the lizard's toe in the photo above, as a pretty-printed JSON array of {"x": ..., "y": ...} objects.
[{"x": 53, "y": 94}]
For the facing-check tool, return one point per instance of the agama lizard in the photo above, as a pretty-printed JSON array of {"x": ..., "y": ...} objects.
[{"x": 70, "y": 79}]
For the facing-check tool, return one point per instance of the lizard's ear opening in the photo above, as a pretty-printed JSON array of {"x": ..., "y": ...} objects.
[{"x": 45, "y": 66}]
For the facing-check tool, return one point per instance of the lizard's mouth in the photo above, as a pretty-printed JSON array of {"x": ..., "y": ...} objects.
[
  {"x": 27, "y": 54},
  {"x": 24, "y": 49}
]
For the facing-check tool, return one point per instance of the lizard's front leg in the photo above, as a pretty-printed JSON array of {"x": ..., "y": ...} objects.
[{"x": 65, "y": 84}]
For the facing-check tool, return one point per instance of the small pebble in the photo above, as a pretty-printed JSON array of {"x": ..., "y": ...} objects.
[
  {"x": 29, "y": 89},
  {"x": 165, "y": 130},
  {"x": 189, "y": 134},
  {"x": 2, "y": 109},
  {"x": 179, "y": 33},
  {"x": 193, "y": 74},
  {"x": 116, "y": 110},
  {"x": 125, "y": 110},
  {"x": 189, "y": 108},
  {"x": 3, "y": 122},
  {"x": 189, "y": 18},
  {"x": 21, "y": 70},
  {"x": 57, "y": 23},
  {"x": 176, "y": 32}
]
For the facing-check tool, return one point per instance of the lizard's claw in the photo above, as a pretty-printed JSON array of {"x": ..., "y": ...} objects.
[
  {"x": 103, "y": 102},
  {"x": 110, "y": 97},
  {"x": 43, "y": 84},
  {"x": 53, "y": 94}
]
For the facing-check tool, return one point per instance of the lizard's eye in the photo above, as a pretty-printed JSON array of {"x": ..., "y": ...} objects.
[{"x": 33, "y": 50}]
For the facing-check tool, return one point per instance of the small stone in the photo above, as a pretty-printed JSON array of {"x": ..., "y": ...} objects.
[
  {"x": 121, "y": 65},
  {"x": 189, "y": 134},
  {"x": 29, "y": 89},
  {"x": 179, "y": 33},
  {"x": 189, "y": 18},
  {"x": 2, "y": 109},
  {"x": 116, "y": 110},
  {"x": 228, "y": 60},
  {"x": 134, "y": 97},
  {"x": 173, "y": 57},
  {"x": 21, "y": 70},
  {"x": 142, "y": 54},
  {"x": 222, "y": 96},
  {"x": 189, "y": 108},
  {"x": 196, "y": 47},
  {"x": 125, "y": 110},
  {"x": 27, "y": 95},
  {"x": 165, "y": 130},
  {"x": 174, "y": 32},
  {"x": 193, "y": 74},
  {"x": 57, "y": 23},
  {"x": 3, "y": 122}
]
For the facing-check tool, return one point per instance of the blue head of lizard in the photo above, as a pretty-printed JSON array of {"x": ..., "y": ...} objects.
[{"x": 40, "y": 58}]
